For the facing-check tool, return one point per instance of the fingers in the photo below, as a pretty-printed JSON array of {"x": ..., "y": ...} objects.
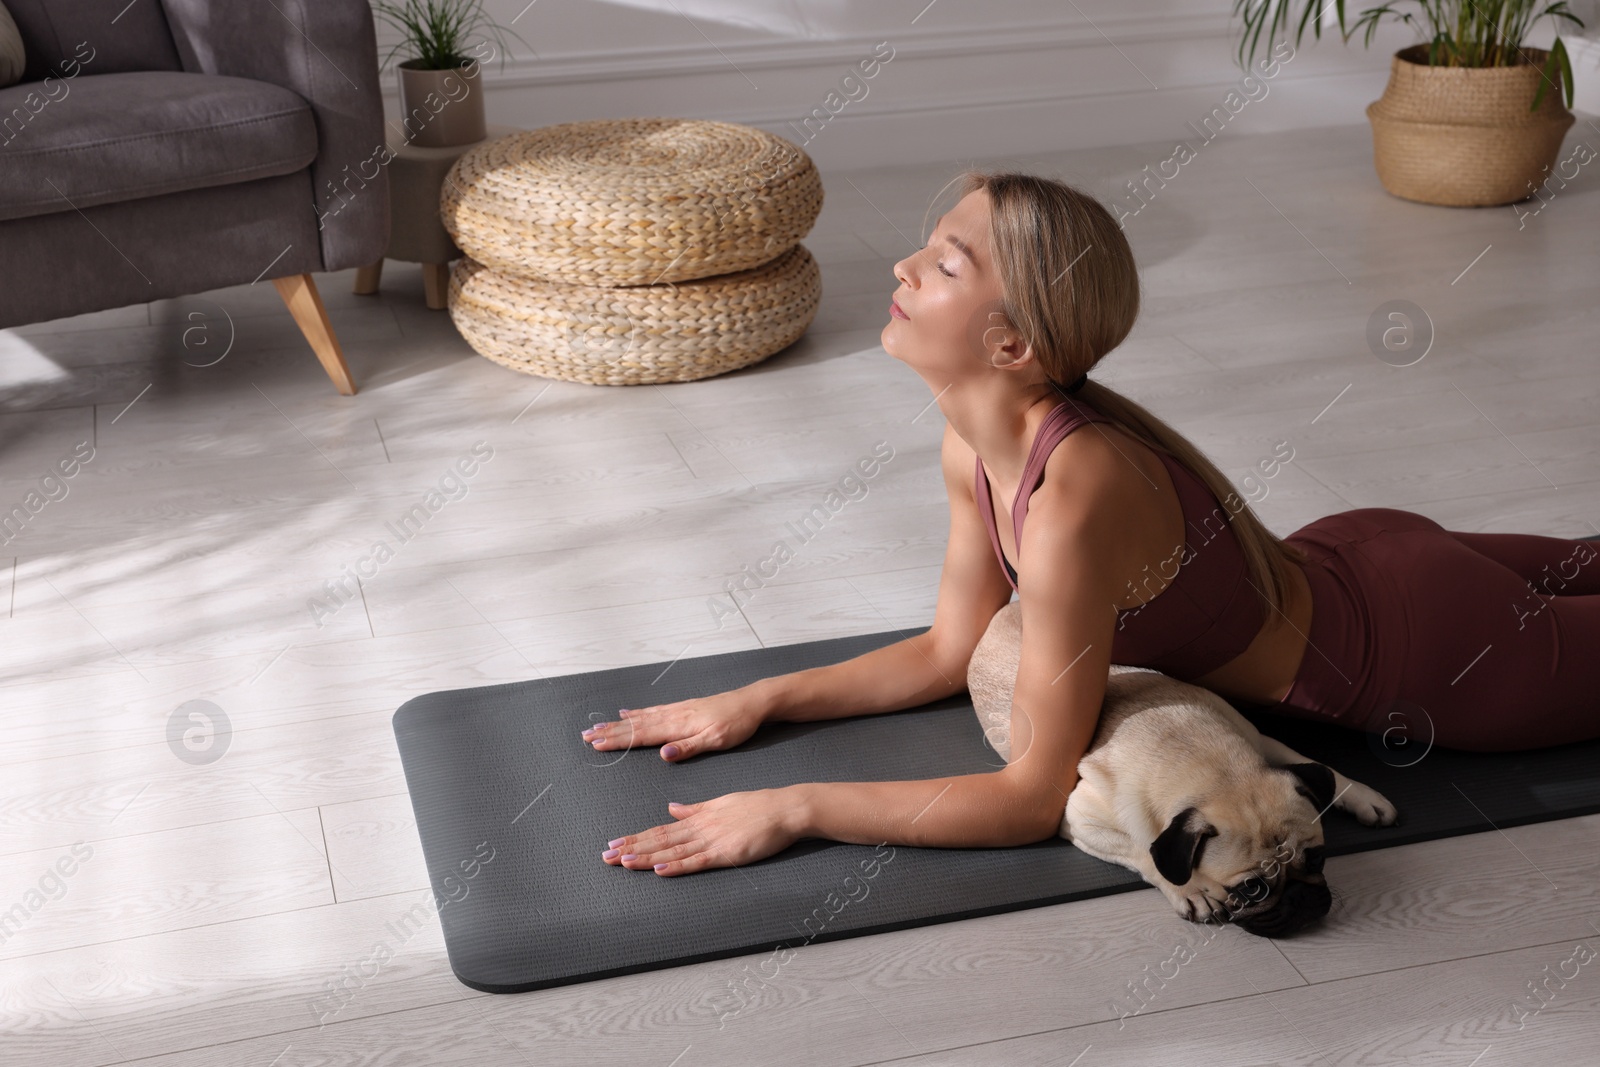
[
  {"x": 628, "y": 733},
  {"x": 634, "y": 733},
  {"x": 655, "y": 839},
  {"x": 683, "y": 811},
  {"x": 637, "y": 726},
  {"x": 688, "y": 865},
  {"x": 645, "y": 859},
  {"x": 682, "y": 858},
  {"x": 684, "y": 747},
  {"x": 672, "y": 848}
]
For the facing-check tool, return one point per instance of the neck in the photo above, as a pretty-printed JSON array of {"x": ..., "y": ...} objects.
[{"x": 998, "y": 420}]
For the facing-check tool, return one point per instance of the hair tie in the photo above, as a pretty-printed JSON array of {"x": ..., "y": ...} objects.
[{"x": 1076, "y": 385}]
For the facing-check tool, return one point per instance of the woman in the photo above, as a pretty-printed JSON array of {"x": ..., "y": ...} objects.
[{"x": 1136, "y": 551}]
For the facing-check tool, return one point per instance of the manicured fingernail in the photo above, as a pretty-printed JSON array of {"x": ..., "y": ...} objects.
[
  {"x": 671, "y": 752},
  {"x": 615, "y": 842},
  {"x": 608, "y": 853},
  {"x": 661, "y": 866},
  {"x": 629, "y": 856}
]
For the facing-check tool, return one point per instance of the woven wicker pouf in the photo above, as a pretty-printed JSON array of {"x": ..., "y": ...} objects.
[
  {"x": 636, "y": 335},
  {"x": 633, "y": 251},
  {"x": 631, "y": 201}
]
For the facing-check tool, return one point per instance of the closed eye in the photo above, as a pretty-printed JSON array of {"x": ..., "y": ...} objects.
[{"x": 939, "y": 264}]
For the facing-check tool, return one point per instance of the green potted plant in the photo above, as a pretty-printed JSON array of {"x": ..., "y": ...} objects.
[
  {"x": 441, "y": 94},
  {"x": 1468, "y": 118}
]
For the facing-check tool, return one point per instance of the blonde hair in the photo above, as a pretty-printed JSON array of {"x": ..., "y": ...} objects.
[{"x": 1070, "y": 287}]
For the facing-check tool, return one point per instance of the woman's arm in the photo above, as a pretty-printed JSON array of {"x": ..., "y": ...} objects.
[
  {"x": 965, "y": 811},
  {"x": 1068, "y": 624},
  {"x": 905, "y": 674},
  {"x": 1077, "y": 559},
  {"x": 1073, "y": 556}
]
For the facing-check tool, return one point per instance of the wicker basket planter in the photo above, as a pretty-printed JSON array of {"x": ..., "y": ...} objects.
[
  {"x": 636, "y": 335},
  {"x": 1464, "y": 136},
  {"x": 631, "y": 201}
]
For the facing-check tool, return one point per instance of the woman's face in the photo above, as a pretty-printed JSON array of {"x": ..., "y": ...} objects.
[{"x": 943, "y": 317}]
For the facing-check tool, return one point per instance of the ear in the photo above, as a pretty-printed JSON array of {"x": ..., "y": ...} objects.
[
  {"x": 1316, "y": 783},
  {"x": 997, "y": 339},
  {"x": 1014, "y": 351},
  {"x": 1177, "y": 851},
  {"x": 1005, "y": 344}
]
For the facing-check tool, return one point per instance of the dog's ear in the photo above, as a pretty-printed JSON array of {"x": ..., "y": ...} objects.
[
  {"x": 1316, "y": 783},
  {"x": 1177, "y": 851}
]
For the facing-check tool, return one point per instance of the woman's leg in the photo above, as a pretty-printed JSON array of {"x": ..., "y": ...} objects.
[
  {"x": 1555, "y": 566},
  {"x": 1496, "y": 665}
]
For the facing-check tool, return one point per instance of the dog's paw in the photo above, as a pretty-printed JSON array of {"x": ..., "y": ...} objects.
[
  {"x": 1370, "y": 807},
  {"x": 1192, "y": 905}
]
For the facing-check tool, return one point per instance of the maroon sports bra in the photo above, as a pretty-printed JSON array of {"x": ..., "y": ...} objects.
[{"x": 1206, "y": 616}]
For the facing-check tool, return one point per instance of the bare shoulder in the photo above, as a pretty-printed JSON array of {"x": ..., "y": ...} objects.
[
  {"x": 959, "y": 460},
  {"x": 1100, "y": 473},
  {"x": 1114, "y": 496}
]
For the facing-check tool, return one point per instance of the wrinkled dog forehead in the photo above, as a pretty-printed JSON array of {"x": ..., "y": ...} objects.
[
  {"x": 1273, "y": 869},
  {"x": 1290, "y": 846}
]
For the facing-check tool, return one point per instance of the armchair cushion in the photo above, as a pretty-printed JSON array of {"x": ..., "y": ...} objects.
[
  {"x": 116, "y": 137},
  {"x": 326, "y": 51},
  {"x": 13, "y": 57},
  {"x": 105, "y": 36}
]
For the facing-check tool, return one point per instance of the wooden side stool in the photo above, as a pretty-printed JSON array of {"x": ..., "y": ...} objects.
[{"x": 415, "y": 232}]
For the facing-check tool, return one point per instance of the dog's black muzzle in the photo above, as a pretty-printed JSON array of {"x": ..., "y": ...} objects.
[{"x": 1300, "y": 904}]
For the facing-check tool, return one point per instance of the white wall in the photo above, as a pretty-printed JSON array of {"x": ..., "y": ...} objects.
[{"x": 967, "y": 77}]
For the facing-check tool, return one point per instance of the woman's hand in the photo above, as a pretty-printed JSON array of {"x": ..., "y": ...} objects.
[
  {"x": 727, "y": 831},
  {"x": 683, "y": 728}
]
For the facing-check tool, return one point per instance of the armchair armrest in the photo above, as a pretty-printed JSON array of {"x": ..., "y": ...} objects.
[{"x": 326, "y": 51}]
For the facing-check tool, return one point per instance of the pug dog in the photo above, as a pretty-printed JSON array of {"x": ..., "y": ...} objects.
[{"x": 1180, "y": 787}]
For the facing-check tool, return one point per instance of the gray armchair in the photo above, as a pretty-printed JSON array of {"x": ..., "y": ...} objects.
[{"x": 166, "y": 147}]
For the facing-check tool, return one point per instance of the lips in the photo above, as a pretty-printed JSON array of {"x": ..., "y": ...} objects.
[{"x": 896, "y": 311}]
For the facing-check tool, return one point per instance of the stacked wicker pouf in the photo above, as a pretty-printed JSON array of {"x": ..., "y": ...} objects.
[{"x": 632, "y": 251}]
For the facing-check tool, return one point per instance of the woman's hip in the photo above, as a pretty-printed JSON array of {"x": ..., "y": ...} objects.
[
  {"x": 1409, "y": 622},
  {"x": 1371, "y": 573}
]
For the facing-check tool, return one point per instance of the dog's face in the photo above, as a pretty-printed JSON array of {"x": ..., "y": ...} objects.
[{"x": 1254, "y": 854}]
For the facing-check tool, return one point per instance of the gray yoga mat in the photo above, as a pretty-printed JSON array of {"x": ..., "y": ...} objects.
[{"x": 514, "y": 809}]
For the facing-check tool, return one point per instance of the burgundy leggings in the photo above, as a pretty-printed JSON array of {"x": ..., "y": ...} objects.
[{"x": 1478, "y": 641}]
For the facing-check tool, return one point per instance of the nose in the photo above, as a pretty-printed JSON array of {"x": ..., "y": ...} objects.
[{"x": 903, "y": 272}]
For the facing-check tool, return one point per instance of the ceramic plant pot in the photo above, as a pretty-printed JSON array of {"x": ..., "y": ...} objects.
[
  {"x": 441, "y": 108},
  {"x": 1464, "y": 136}
]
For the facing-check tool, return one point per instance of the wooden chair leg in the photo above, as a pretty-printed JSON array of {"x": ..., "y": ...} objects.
[
  {"x": 435, "y": 284},
  {"x": 300, "y": 295},
  {"x": 367, "y": 279}
]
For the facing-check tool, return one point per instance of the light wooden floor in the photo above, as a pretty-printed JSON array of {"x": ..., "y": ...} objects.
[{"x": 220, "y": 899}]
